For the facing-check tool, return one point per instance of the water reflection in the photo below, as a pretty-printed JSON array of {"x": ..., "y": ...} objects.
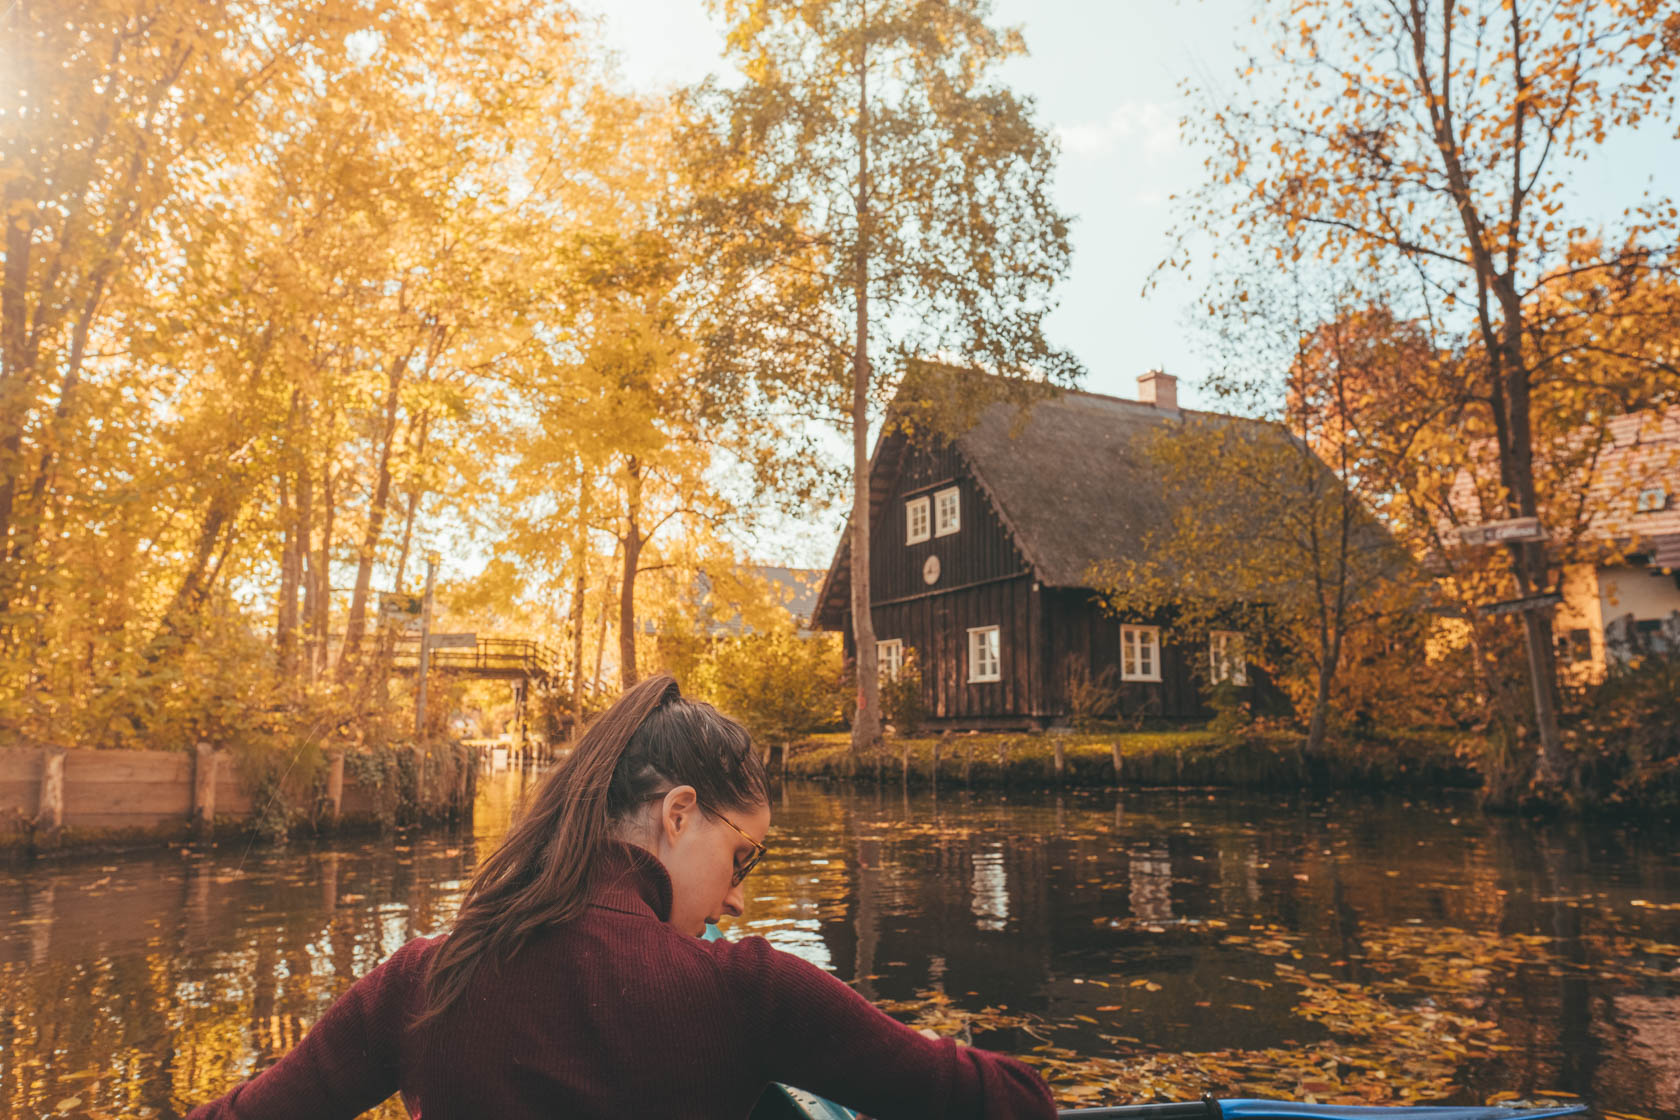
[{"x": 1147, "y": 928}]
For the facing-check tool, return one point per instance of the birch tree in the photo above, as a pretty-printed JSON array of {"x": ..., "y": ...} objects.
[{"x": 876, "y": 194}]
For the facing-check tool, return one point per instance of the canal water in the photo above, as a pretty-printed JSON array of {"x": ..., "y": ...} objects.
[{"x": 1135, "y": 946}]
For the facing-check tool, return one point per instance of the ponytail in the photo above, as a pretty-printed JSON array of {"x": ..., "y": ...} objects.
[{"x": 541, "y": 874}]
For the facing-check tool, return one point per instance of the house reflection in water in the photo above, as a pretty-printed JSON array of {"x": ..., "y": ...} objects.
[
  {"x": 1151, "y": 876},
  {"x": 989, "y": 899}
]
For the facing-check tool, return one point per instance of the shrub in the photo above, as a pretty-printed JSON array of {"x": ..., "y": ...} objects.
[
  {"x": 902, "y": 704},
  {"x": 1627, "y": 733},
  {"x": 1092, "y": 698},
  {"x": 780, "y": 685}
]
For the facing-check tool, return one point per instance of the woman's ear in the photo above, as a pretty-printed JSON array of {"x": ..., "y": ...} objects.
[{"x": 677, "y": 813}]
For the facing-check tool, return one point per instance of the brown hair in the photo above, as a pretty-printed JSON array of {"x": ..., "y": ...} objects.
[{"x": 651, "y": 740}]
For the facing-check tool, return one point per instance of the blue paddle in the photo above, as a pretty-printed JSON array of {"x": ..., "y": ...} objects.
[{"x": 1248, "y": 1109}]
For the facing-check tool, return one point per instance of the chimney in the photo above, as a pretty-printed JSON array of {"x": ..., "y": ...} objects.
[{"x": 1159, "y": 389}]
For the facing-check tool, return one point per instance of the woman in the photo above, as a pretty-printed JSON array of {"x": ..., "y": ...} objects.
[{"x": 575, "y": 983}]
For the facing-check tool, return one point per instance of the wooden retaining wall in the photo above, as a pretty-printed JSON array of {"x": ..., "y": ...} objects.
[{"x": 49, "y": 794}]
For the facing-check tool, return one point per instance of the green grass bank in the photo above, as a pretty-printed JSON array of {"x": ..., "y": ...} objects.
[{"x": 1253, "y": 760}]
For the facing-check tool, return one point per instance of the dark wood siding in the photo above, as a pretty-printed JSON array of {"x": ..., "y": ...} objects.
[
  {"x": 1078, "y": 628},
  {"x": 979, "y": 550},
  {"x": 936, "y": 627}
]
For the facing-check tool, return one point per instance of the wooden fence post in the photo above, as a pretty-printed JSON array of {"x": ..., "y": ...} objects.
[
  {"x": 1116, "y": 748},
  {"x": 335, "y": 786},
  {"x": 968, "y": 763},
  {"x": 1061, "y": 757},
  {"x": 206, "y": 761},
  {"x": 933, "y": 771},
  {"x": 49, "y": 815},
  {"x": 904, "y": 760}
]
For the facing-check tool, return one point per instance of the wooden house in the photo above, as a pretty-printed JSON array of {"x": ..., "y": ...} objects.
[
  {"x": 981, "y": 553},
  {"x": 1621, "y": 583}
]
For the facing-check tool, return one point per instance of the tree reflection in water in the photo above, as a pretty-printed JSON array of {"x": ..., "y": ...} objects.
[{"x": 1154, "y": 943}]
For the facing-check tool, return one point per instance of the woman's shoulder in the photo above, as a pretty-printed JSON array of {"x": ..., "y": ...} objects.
[
  {"x": 754, "y": 961},
  {"x": 409, "y": 963}
]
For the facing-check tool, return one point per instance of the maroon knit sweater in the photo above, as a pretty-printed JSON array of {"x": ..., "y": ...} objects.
[{"x": 619, "y": 1016}]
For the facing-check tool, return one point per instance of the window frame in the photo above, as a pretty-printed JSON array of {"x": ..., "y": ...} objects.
[
  {"x": 974, "y": 633},
  {"x": 910, "y": 506},
  {"x": 955, "y": 494},
  {"x": 881, "y": 646},
  {"x": 1575, "y": 646},
  {"x": 1234, "y": 664},
  {"x": 1153, "y": 633},
  {"x": 1651, "y": 499}
]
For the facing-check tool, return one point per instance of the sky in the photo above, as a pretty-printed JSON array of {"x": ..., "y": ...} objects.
[{"x": 1107, "y": 76}]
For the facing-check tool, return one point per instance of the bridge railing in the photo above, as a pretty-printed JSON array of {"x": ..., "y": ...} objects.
[{"x": 500, "y": 657}]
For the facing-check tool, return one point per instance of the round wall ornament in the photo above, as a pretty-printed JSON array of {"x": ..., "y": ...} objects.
[{"x": 930, "y": 570}]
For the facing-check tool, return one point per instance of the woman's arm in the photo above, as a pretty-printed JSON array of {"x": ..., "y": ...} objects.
[
  {"x": 813, "y": 1032},
  {"x": 349, "y": 1060}
]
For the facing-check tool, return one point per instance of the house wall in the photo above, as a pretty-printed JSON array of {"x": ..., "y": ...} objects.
[
  {"x": 1077, "y": 628},
  {"x": 1581, "y": 609},
  {"x": 936, "y": 628},
  {"x": 1642, "y": 592}
]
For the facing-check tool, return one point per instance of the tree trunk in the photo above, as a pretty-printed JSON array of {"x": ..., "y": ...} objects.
[
  {"x": 631, "y": 544},
  {"x": 580, "y": 557},
  {"x": 422, "y": 437},
  {"x": 1318, "y": 726},
  {"x": 292, "y": 529},
  {"x": 179, "y": 617},
  {"x": 355, "y": 626},
  {"x": 866, "y": 724},
  {"x": 320, "y": 620},
  {"x": 304, "y": 488},
  {"x": 1508, "y": 369},
  {"x": 17, "y": 353},
  {"x": 601, "y": 627}
]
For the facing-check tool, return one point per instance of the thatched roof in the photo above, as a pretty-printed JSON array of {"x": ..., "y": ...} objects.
[
  {"x": 1069, "y": 476},
  {"x": 1072, "y": 479}
]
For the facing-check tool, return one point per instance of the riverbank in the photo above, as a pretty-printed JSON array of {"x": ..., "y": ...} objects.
[
  {"x": 1255, "y": 760},
  {"x": 54, "y": 799}
]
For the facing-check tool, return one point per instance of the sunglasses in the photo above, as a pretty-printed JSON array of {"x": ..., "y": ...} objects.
[{"x": 741, "y": 869}]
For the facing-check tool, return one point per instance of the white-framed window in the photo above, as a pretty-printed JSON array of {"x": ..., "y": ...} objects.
[
  {"x": 1227, "y": 659},
  {"x": 984, "y": 660},
  {"x": 1140, "y": 653},
  {"x": 916, "y": 520},
  {"x": 947, "y": 511},
  {"x": 889, "y": 656},
  {"x": 1652, "y": 499}
]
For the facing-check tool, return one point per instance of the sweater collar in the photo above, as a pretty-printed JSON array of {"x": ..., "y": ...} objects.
[{"x": 632, "y": 881}]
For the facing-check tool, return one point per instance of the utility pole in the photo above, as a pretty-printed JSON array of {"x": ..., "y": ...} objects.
[{"x": 425, "y": 650}]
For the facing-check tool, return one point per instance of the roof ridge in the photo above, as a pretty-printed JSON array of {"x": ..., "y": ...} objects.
[{"x": 1145, "y": 404}]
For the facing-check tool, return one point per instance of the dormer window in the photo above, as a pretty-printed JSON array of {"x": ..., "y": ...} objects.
[
  {"x": 916, "y": 520},
  {"x": 947, "y": 512},
  {"x": 1652, "y": 499}
]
